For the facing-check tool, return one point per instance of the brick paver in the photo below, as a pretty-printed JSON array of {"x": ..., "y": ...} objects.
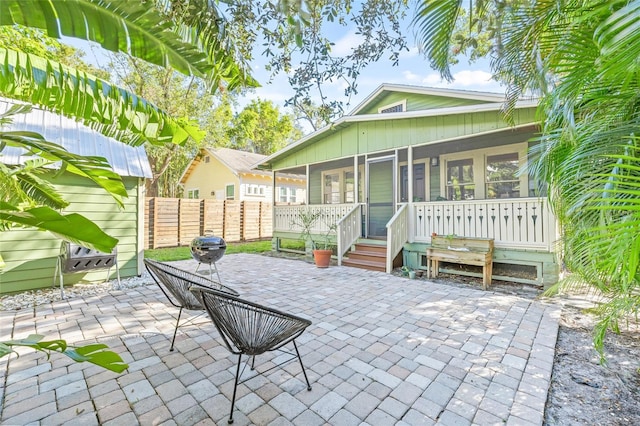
[{"x": 381, "y": 350}]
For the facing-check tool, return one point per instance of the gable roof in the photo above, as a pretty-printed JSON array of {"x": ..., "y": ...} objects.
[
  {"x": 76, "y": 138},
  {"x": 386, "y": 88},
  {"x": 492, "y": 102},
  {"x": 236, "y": 161}
]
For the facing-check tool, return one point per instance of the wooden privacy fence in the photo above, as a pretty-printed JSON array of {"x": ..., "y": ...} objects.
[{"x": 173, "y": 222}]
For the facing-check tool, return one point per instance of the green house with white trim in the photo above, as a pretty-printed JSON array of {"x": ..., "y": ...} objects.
[
  {"x": 31, "y": 255},
  {"x": 410, "y": 162}
]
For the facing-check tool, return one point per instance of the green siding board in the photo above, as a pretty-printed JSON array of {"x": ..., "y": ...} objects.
[
  {"x": 378, "y": 136},
  {"x": 30, "y": 255},
  {"x": 349, "y": 137},
  {"x": 416, "y": 102}
]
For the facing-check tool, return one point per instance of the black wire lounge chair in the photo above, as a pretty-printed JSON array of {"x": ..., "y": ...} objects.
[
  {"x": 175, "y": 284},
  {"x": 251, "y": 329}
]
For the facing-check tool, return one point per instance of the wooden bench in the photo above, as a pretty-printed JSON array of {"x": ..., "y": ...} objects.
[{"x": 463, "y": 250}]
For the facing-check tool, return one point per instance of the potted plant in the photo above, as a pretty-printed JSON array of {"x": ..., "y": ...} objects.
[{"x": 318, "y": 242}]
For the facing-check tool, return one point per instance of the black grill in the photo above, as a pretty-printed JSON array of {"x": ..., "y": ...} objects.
[
  {"x": 208, "y": 249},
  {"x": 76, "y": 258}
]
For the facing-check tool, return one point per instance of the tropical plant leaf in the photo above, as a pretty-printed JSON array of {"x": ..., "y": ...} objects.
[
  {"x": 94, "y": 353},
  {"x": 184, "y": 35},
  {"x": 72, "y": 227},
  {"x": 106, "y": 108},
  {"x": 96, "y": 169}
]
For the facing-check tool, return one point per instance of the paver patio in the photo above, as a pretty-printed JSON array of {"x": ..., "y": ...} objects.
[{"x": 382, "y": 350}]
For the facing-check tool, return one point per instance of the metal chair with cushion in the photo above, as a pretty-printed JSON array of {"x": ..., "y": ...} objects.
[
  {"x": 251, "y": 329},
  {"x": 175, "y": 284}
]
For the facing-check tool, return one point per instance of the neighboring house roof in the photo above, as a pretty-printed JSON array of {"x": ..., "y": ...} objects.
[
  {"x": 239, "y": 162},
  {"x": 77, "y": 138},
  {"x": 491, "y": 102}
]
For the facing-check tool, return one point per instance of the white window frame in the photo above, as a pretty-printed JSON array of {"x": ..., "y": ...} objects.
[
  {"x": 479, "y": 157},
  {"x": 192, "y": 192},
  {"x": 341, "y": 182},
  {"x": 395, "y": 104}
]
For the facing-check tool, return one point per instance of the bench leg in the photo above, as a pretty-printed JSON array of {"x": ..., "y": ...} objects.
[
  {"x": 435, "y": 267},
  {"x": 487, "y": 271}
]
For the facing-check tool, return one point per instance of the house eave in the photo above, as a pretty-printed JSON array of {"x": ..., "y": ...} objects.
[
  {"x": 350, "y": 119},
  {"x": 433, "y": 91}
]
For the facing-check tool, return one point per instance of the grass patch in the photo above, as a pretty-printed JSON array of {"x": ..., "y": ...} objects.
[
  {"x": 292, "y": 244},
  {"x": 184, "y": 253}
]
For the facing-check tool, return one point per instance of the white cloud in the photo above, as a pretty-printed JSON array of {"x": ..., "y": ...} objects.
[
  {"x": 433, "y": 79},
  {"x": 411, "y": 77},
  {"x": 345, "y": 45},
  {"x": 411, "y": 53},
  {"x": 467, "y": 78}
]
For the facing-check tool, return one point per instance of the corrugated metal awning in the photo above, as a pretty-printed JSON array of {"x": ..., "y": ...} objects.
[{"x": 77, "y": 138}]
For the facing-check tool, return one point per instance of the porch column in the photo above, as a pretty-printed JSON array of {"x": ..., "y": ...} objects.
[
  {"x": 275, "y": 243},
  {"x": 356, "y": 180},
  {"x": 411, "y": 229},
  {"x": 410, "y": 174},
  {"x": 308, "y": 185}
]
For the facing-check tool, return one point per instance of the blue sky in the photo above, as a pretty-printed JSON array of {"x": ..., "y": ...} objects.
[{"x": 412, "y": 69}]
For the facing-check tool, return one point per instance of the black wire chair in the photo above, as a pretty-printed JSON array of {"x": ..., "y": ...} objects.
[
  {"x": 175, "y": 284},
  {"x": 251, "y": 329}
]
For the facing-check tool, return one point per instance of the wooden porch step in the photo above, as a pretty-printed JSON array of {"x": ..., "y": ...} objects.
[
  {"x": 370, "y": 248},
  {"x": 368, "y": 256},
  {"x": 365, "y": 264}
]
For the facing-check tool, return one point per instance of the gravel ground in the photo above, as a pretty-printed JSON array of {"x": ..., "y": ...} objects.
[{"x": 582, "y": 391}]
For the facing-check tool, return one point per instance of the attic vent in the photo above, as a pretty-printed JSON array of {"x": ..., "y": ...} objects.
[
  {"x": 397, "y": 107},
  {"x": 206, "y": 159}
]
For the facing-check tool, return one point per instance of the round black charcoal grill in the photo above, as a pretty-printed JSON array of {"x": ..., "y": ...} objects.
[{"x": 208, "y": 249}]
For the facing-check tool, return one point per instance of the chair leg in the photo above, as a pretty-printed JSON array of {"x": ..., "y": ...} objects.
[
  {"x": 235, "y": 386},
  {"x": 303, "y": 370},
  {"x": 253, "y": 363},
  {"x": 176, "y": 330}
]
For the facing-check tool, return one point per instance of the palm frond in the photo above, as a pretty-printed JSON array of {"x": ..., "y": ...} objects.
[{"x": 435, "y": 22}]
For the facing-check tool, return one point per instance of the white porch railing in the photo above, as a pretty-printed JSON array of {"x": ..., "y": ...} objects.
[
  {"x": 286, "y": 217},
  {"x": 513, "y": 223},
  {"x": 349, "y": 230},
  {"x": 397, "y": 234}
]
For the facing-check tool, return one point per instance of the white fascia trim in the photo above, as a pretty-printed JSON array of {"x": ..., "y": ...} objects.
[{"x": 420, "y": 90}]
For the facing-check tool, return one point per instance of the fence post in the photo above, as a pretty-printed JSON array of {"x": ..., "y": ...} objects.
[{"x": 153, "y": 235}]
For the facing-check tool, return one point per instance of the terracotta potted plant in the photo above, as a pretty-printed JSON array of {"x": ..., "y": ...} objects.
[{"x": 318, "y": 242}]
